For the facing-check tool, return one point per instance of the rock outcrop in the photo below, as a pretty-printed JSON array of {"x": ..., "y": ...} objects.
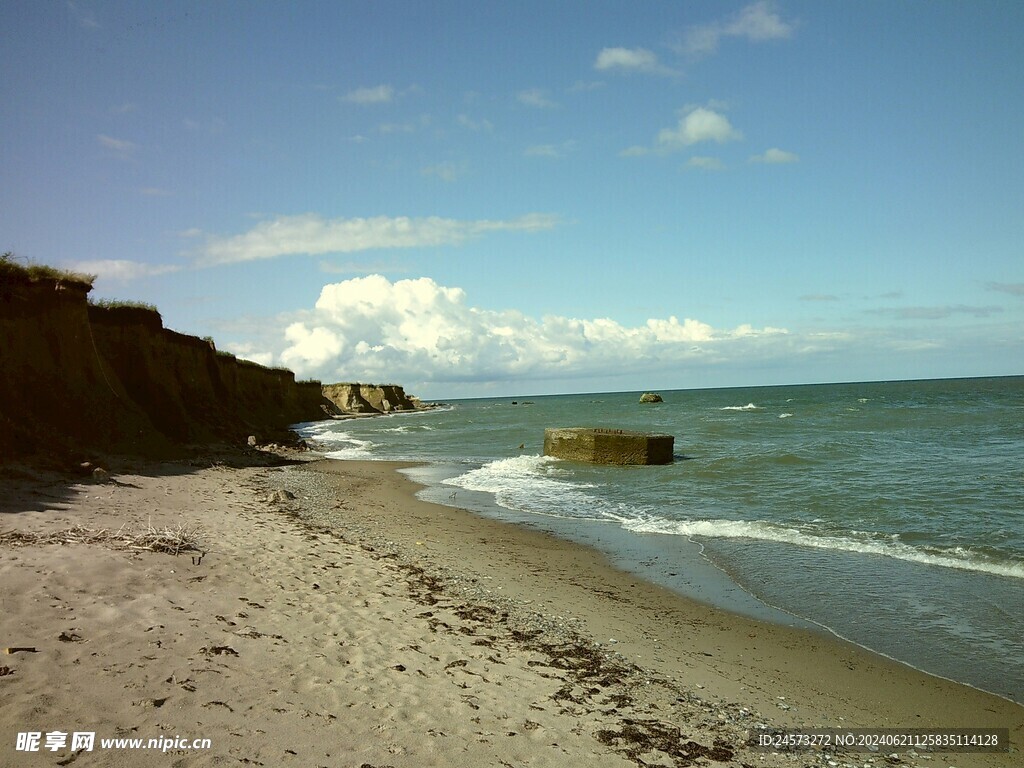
[
  {"x": 352, "y": 398},
  {"x": 608, "y": 446},
  {"x": 651, "y": 397},
  {"x": 77, "y": 377}
]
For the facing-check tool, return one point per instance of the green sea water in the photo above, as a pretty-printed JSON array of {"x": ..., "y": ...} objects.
[{"x": 889, "y": 513}]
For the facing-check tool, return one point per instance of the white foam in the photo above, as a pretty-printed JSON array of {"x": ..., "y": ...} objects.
[
  {"x": 534, "y": 484},
  {"x": 335, "y": 443},
  {"x": 747, "y": 407},
  {"x": 958, "y": 557},
  {"x": 785, "y": 415},
  {"x": 352, "y": 448}
]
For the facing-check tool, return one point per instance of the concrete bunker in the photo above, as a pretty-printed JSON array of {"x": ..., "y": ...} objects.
[{"x": 608, "y": 446}]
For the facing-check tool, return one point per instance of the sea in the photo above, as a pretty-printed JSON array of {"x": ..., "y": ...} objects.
[{"x": 889, "y": 513}]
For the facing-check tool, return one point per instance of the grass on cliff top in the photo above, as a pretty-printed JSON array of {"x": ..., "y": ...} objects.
[
  {"x": 122, "y": 304},
  {"x": 11, "y": 271}
]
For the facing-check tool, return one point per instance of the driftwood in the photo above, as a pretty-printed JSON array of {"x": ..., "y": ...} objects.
[{"x": 170, "y": 539}]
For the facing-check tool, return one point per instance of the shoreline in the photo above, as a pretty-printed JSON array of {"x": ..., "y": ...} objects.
[
  {"x": 710, "y": 586},
  {"x": 335, "y": 619},
  {"x": 792, "y": 648}
]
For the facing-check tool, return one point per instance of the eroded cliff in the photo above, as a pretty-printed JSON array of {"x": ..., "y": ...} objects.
[
  {"x": 352, "y": 398},
  {"x": 77, "y": 378}
]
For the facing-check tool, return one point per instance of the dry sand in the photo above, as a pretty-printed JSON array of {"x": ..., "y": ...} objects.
[{"x": 335, "y": 620}]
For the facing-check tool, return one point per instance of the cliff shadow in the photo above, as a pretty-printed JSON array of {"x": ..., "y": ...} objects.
[{"x": 46, "y": 487}]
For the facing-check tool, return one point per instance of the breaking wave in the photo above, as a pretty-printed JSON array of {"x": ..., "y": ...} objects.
[{"x": 864, "y": 543}]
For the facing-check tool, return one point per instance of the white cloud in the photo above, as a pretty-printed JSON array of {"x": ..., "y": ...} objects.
[
  {"x": 471, "y": 124},
  {"x": 310, "y": 347},
  {"x": 122, "y": 270},
  {"x": 756, "y": 22},
  {"x": 705, "y": 163},
  {"x": 630, "y": 60},
  {"x": 249, "y": 352},
  {"x": 549, "y": 150},
  {"x": 85, "y": 19},
  {"x": 635, "y": 151},
  {"x": 775, "y": 156},
  {"x": 120, "y": 147},
  {"x": 444, "y": 171},
  {"x": 583, "y": 86},
  {"x": 698, "y": 125},
  {"x": 541, "y": 150},
  {"x": 313, "y": 234},
  {"x": 411, "y": 126},
  {"x": 378, "y": 94},
  {"x": 213, "y": 126},
  {"x": 369, "y": 327},
  {"x": 759, "y": 22},
  {"x": 535, "y": 97}
]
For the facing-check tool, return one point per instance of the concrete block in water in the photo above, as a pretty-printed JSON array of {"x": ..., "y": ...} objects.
[{"x": 608, "y": 446}]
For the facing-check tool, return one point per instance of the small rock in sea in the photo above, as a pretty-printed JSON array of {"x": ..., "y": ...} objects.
[{"x": 651, "y": 397}]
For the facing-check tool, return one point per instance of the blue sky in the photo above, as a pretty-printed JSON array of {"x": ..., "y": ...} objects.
[{"x": 477, "y": 198}]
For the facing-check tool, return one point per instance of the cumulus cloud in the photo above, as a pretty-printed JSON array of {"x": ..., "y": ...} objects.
[
  {"x": 369, "y": 327},
  {"x": 696, "y": 125},
  {"x": 122, "y": 270},
  {"x": 314, "y": 235},
  {"x": 630, "y": 60},
  {"x": 756, "y": 22},
  {"x": 378, "y": 94},
  {"x": 775, "y": 156},
  {"x": 249, "y": 352}
]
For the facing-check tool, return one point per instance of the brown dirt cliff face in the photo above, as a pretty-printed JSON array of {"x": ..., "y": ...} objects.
[
  {"x": 369, "y": 398},
  {"x": 76, "y": 378}
]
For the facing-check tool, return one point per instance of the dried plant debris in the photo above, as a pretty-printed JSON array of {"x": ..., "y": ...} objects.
[
  {"x": 643, "y": 737},
  {"x": 218, "y": 650},
  {"x": 170, "y": 539}
]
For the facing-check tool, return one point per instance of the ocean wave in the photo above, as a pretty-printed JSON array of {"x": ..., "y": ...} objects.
[
  {"x": 785, "y": 415},
  {"x": 538, "y": 485},
  {"x": 747, "y": 407},
  {"x": 336, "y": 444},
  {"x": 956, "y": 557},
  {"x": 351, "y": 448}
]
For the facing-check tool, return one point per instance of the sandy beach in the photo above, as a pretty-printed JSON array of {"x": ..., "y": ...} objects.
[{"x": 330, "y": 618}]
